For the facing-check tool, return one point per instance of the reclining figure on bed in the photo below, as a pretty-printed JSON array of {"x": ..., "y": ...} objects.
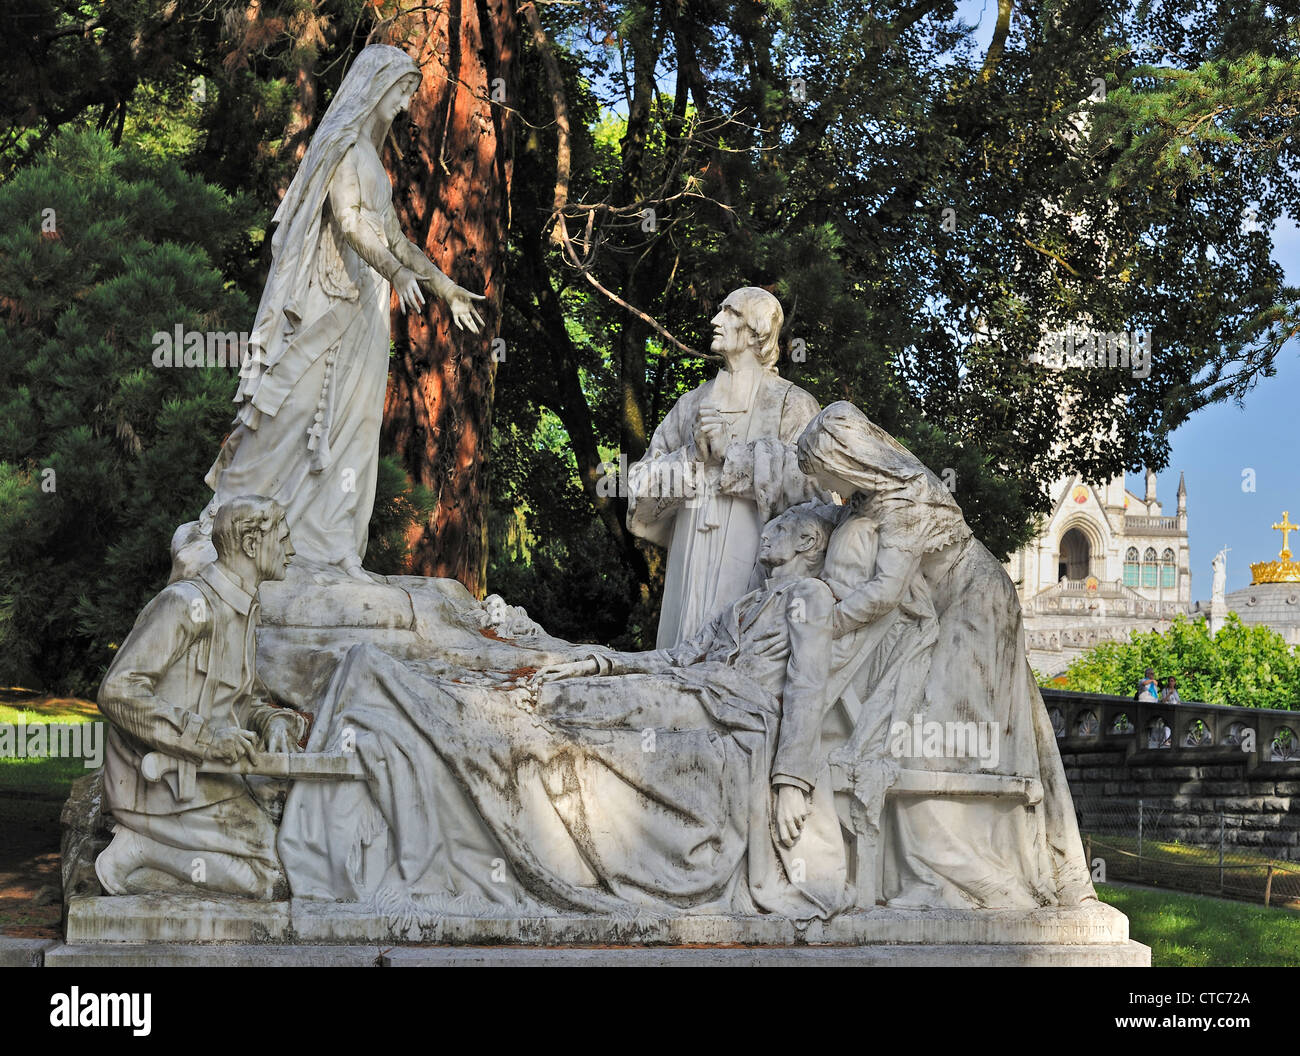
[
  {"x": 615, "y": 782},
  {"x": 711, "y": 777}
]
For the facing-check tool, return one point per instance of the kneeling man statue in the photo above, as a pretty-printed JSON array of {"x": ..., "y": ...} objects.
[{"x": 183, "y": 691}]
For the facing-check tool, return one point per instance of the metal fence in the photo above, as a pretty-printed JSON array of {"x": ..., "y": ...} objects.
[{"x": 1146, "y": 843}]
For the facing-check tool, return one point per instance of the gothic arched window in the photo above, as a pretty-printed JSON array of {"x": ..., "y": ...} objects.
[
  {"x": 1168, "y": 571},
  {"x": 1132, "y": 570},
  {"x": 1150, "y": 570}
]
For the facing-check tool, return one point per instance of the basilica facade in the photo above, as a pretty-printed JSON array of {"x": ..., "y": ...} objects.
[{"x": 1105, "y": 563}]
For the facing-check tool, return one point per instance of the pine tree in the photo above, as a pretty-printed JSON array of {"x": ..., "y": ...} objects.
[{"x": 102, "y": 453}]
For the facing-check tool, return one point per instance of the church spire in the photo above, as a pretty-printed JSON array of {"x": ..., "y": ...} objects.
[
  {"x": 1151, "y": 485},
  {"x": 1182, "y": 494}
]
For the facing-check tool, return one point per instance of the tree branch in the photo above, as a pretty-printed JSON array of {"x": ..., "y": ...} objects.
[
  {"x": 563, "y": 172},
  {"x": 560, "y": 105},
  {"x": 1000, "y": 30}
]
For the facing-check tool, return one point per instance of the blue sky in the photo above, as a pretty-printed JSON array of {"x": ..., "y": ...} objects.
[{"x": 1217, "y": 443}]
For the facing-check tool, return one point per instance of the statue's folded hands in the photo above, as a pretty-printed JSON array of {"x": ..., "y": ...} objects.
[
  {"x": 231, "y": 744},
  {"x": 281, "y": 734}
]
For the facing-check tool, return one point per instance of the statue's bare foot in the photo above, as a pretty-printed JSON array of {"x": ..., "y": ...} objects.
[
  {"x": 792, "y": 810},
  {"x": 353, "y": 570}
]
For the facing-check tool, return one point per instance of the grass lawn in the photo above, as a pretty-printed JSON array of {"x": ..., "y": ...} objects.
[
  {"x": 32, "y": 792},
  {"x": 1193, "y": 931},
  {"x": 1182, "y": 930},
  {"x": 42, "y": 778}
]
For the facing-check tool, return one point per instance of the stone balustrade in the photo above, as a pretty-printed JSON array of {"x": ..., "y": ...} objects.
[
  {"x": 1112, "y": 629},
  {"x": 1138, "y": 524},
  {"x": 1189, "y": 732}
]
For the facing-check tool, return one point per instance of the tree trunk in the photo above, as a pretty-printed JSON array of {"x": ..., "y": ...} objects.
[{"x": 453, "y": 200}]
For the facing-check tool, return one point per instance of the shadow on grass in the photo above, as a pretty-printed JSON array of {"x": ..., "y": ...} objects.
[
  {"x": 1195, "y": 931},
  {"x": 39, "y": 707}
]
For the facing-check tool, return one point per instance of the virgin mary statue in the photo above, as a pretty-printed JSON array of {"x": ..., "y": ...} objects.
[{"x": 311, "y": 391}]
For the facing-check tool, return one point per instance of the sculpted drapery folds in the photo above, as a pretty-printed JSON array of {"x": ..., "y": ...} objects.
[
  {"x": 962, "y": 659},
  {"x": 463, "y": 762},
  {"x": 558, "y": 784},
  {"x": 703, "y": 778}
]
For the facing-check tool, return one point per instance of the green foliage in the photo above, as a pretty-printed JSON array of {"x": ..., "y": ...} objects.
[
  {"x": 102, "y": 454},
  {"x": 1124, "y": 212},
  {"x": 833, "y": 194},
  {"x": 1242, "y": 665},
  {"x": 544, "y": 553},
  {"x": 399, "y": 503},
  {"x": 1207, "y": 109}
]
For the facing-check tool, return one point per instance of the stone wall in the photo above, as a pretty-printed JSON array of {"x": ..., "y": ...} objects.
[{"x": 1198, "y": 767}]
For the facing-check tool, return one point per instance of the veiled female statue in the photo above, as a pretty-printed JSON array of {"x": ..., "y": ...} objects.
[
  {"x": 311, "y": 393},
  {"x": 959, "y": 659}
]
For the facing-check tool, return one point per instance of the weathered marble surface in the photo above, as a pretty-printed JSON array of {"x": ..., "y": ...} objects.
[
  {"x": 527, "y": 758},
  {"x": 719, "y": 466},
  {"x": 311, "y": 393},
  {"x": 158, "y": 930},
  {"x": 177, "y": 919},
  {"x": 469, "y": 778},
  {"x": 900, "y": 955},
  {"x": 308, "y": 625},
  {"x": 183, "y": 697}
]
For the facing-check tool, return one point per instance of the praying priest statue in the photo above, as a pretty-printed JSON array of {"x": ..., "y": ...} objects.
[{"x": 721, "y": 464}]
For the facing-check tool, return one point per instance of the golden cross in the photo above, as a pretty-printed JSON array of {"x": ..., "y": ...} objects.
[{"x": 1286, "y": 528}]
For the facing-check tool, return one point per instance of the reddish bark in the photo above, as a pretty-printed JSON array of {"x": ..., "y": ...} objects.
[{"x": 453, "y": 200}]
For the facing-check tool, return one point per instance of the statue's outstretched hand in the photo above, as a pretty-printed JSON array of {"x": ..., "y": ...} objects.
[
  {"x": 461, "y": 303},
  {"x": 576, "y": 669},
  {"x": 407, "y": 286}
]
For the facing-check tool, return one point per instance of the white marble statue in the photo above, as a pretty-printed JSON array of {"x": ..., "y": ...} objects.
[
  {"x": 1218, "y": 588},
  {"x": 719, "y": 466},
  {"x": 778, "y": 761},
  {"x": 1219, "y": 583},
  {"x": 311, "y": 396},
  {"x": 620, "y": 782},
  {"x": 956, "y": 656},
  {"x": 717, "y": 775},
  {"x": 509, "y": 621},
  {"x": 183, "y": 692}
]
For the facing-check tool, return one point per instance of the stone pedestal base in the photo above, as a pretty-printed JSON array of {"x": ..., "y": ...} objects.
[
  {"x": 120, "y": 955},
  {"x": 156, "y": 929}
]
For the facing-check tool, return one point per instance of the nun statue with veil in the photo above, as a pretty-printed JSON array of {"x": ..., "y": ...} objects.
[{"x": 311, "y": 391}]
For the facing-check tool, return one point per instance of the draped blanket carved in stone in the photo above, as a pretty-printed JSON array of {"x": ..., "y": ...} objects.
[{"x": 616, "y": 792}]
